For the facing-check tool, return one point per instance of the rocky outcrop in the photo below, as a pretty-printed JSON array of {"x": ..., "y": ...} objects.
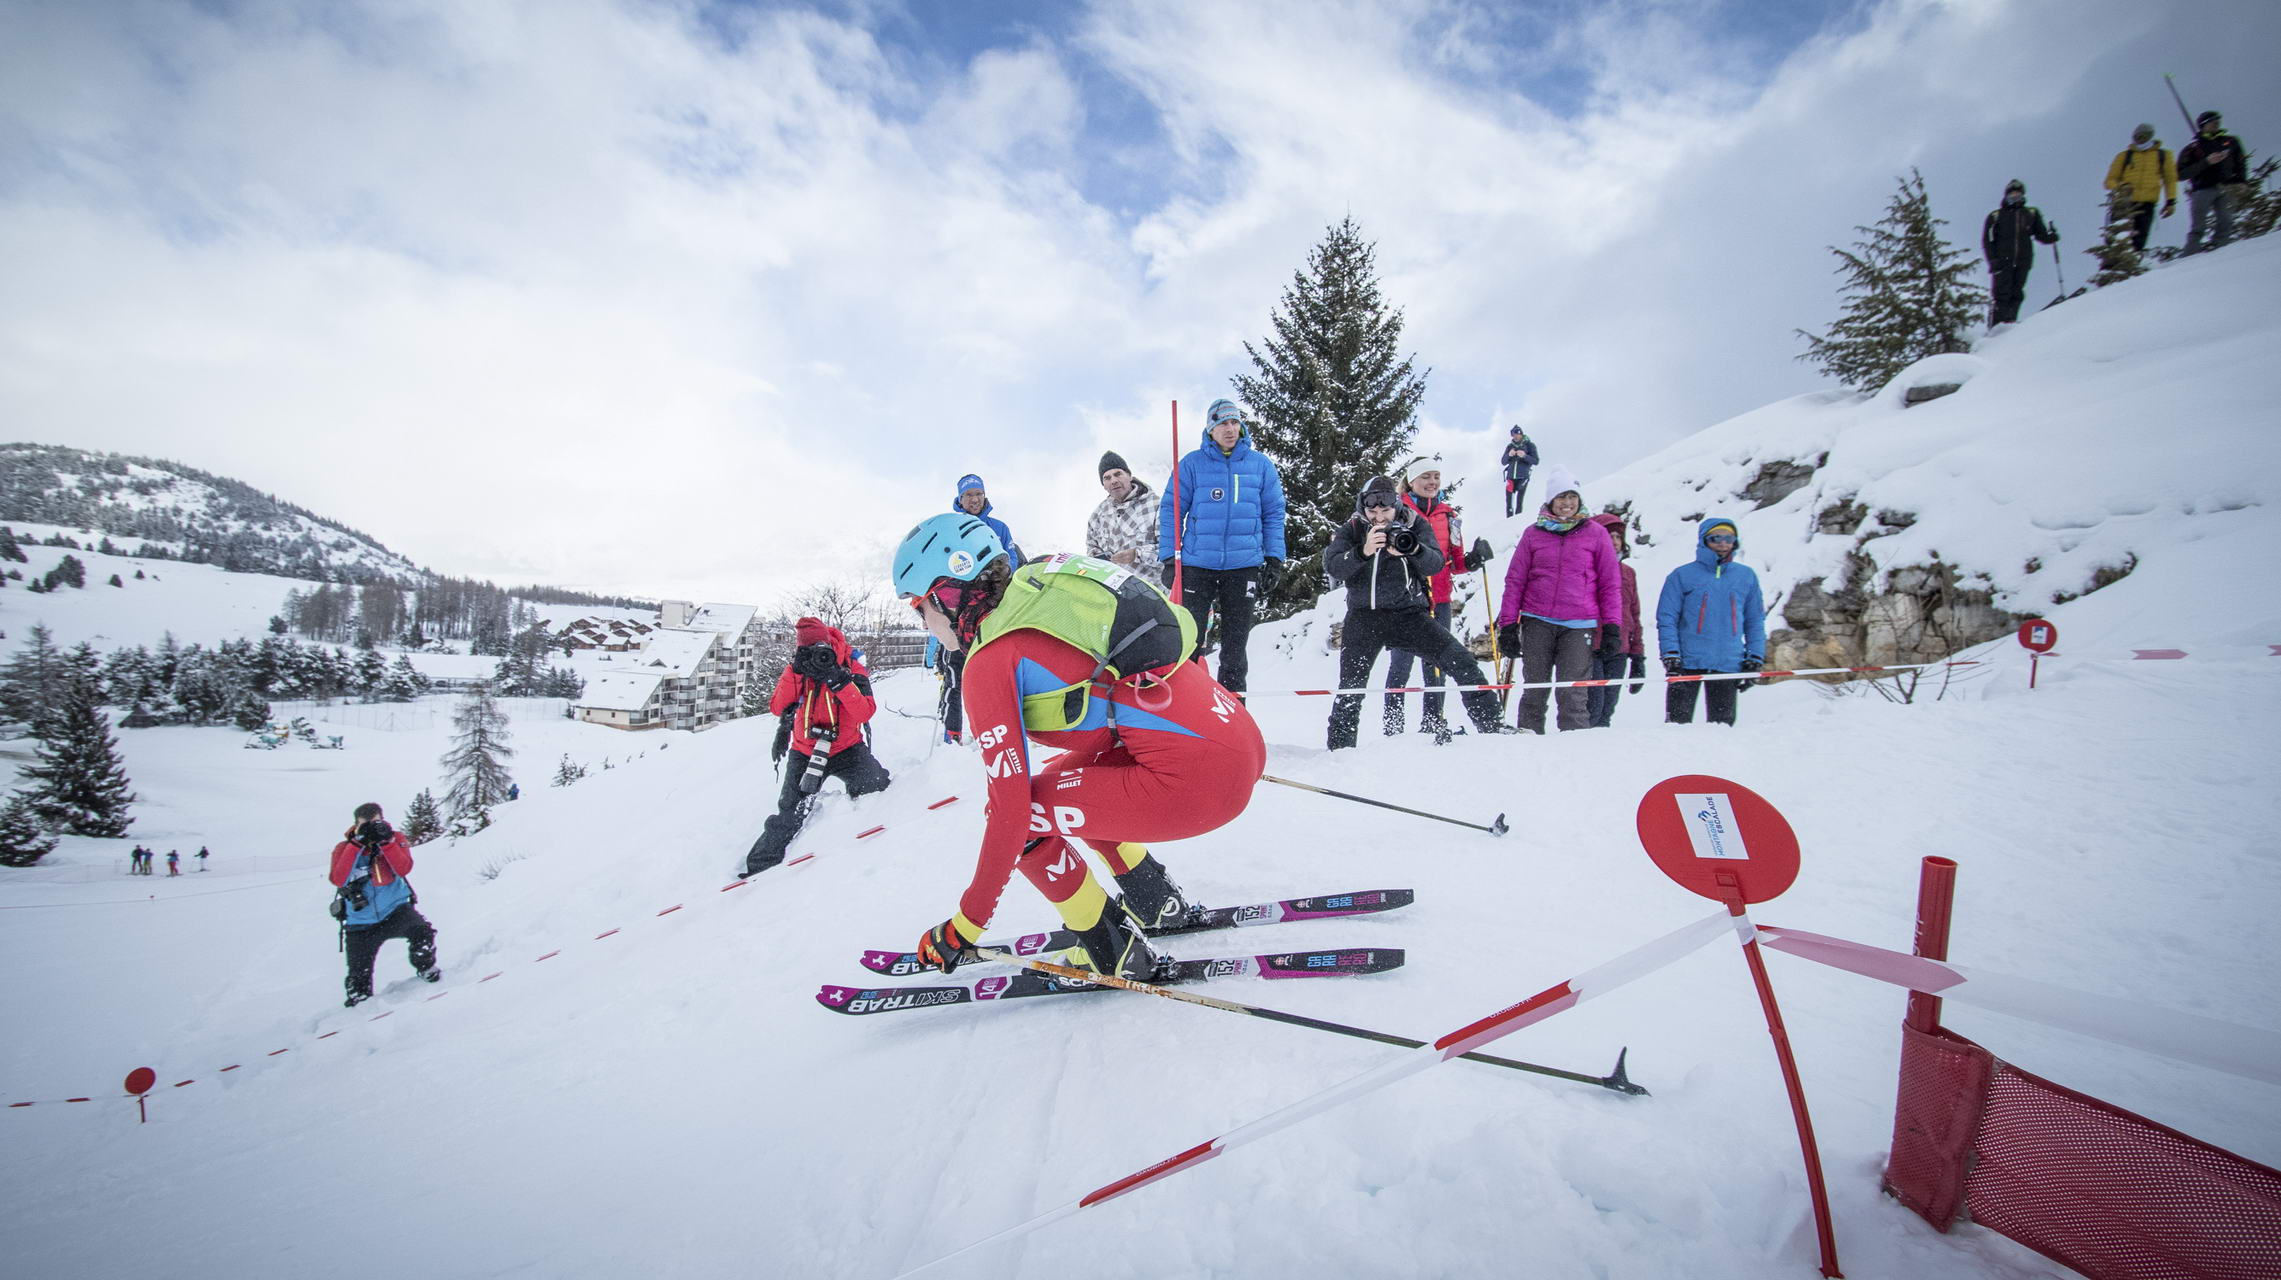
[{"x": 1910, "y": 613}]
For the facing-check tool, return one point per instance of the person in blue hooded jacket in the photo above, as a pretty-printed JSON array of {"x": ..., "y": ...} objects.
[
  {"x": 1220, "y": 534},
  {"x": 1710, "y": 618},
  {"x": 972, "y": 500}
]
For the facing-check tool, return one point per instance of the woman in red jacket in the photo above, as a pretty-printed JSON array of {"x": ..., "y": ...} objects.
[{"x": 824, "y": 699}]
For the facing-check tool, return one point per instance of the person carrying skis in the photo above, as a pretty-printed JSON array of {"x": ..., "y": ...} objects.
[
  {"x": 1220, "y": 532},
  {"x": 1080, "y": 654},
  {"x": 1709, "y": 618},
  {"x": 1387, "y": 557},
  {"x": 972, "y": 499},
  {"x": 1436, "y": 520},
  {"x": 1520, "y": 459},
  {"x": 1563, "y": 604},
  {"x": 2216, "y": 170},
  {"x": 2140, "y": 174},
  {"x": 823, "y": 699},
  {"x": 376, "y": 903},
  {"x": 1600, "y": 702},
  {"x": 2008, "y": 240}
]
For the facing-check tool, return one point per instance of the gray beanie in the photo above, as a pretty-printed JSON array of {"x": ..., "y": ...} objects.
[{"x": 1110, "y": 461}]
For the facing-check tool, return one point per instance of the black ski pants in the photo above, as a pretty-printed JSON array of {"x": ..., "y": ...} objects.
[
  {"x": 1367, "y": 631},
  {"x": 1230, "y": 590},
  {"x": 1516, "y": 496},
  {"x": 2008, "y": 282},
  {"x": 1550, "y": 651},
  {"x": 363, "y": 945},
  {"x": 952, "y": 708},
  {"x": 1718, "y": 698},
  {"x": 1398, "y": 664},
  {"x": 856, "y": 767}
]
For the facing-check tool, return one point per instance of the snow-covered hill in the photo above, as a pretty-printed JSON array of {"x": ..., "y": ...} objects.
[{"x": 606, "y": 1085}]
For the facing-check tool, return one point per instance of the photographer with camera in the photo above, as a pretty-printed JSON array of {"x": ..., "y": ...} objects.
[
  {"x": 1564, "y": 603},
  {"x": 374, "y": 902},
  {"x": 1387, "y": 557},
  {"x": 823, "y": 700},
  {"x": 1437, "y": 523}
]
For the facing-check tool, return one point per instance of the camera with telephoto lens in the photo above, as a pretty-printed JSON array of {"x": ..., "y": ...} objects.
[
  {"x": 373, "y": 834},
  {"x": 819, "y": 759},
  {"x": 1402, "y": 540},
  {"x": 814, "y": 661}
]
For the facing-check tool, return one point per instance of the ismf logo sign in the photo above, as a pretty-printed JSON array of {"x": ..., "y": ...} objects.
[{"x": 1710, "y": 825}]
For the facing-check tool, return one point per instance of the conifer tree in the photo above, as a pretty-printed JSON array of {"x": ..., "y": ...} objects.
[
  {"x": 475, "y": 767},
  {"x": 34, "y": 679},
  {"x": 23, "y": 841},
  {"x": 79, "y": 784},
  {"x": 422, "y": 822},
  {"x": 1908, "y": 295},
  {"x": 2117, "y": 250},
  {"x": 9, "y": 550},
  {"x": 567, "y": 773},
  {"x": 1335, "y": 398}
]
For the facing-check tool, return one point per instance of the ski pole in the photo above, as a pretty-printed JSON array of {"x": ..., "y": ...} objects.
[
  {"x": 2183, "y": 113},
  {"x": 1615, "y": 1081},
  {"x": 1496, "y": 828}
]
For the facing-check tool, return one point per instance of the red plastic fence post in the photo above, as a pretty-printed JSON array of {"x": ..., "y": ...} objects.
[{"x": 1936, "y": 890}]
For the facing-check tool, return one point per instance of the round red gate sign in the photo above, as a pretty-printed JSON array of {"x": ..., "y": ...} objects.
[
  {"x": 1717, "y": 838},
  {"x": 2038, "y": 636},
  {"x": 140, "y": 1080}
]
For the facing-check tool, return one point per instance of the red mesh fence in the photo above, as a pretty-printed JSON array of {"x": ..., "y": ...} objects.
[{"x": 2082, "y": 1182}]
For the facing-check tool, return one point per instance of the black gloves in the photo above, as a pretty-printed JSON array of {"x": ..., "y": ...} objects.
[
  {"x": 783, "y": 739},
  {"x": 1750, "y": 664},
  {"x": 1639, "y": 671},
  {"x": 1611, "y": 642},
  {"x": 1270, "y": 575},
  {"x": 1480, "y": 555},
  {"x": 1169, "y": 570},
  {"x": 1509, "y": 640}
]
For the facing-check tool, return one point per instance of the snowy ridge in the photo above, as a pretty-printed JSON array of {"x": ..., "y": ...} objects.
[{"x": 668, "y": 1099}]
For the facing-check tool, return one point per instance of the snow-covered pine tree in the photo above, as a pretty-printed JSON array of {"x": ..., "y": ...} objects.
[
  {"x": 371, "y": 674},
  {"x": 475, "y": 767},
  {"x": 68, "y": 572},
  {"x": 78, "y": 784},
  {"x": 1908, "y": 295},
  {"x": 8, "y": 548},
  {"x": 1335, "y": 398},
  {"x": 421, "y": 822},
  {"x": 23, "y": 841},
  {"x": 567, "y": 773},
  {"x": 2117, "y": 254},
  {"x": 34, "y": 679}
]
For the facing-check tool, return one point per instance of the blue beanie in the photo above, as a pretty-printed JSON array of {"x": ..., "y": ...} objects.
[{"x": 1221, "y": 411}]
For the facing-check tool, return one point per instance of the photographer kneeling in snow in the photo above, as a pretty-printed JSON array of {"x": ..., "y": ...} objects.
[
  {"x": 375, "y": 902},
  {"x": 824, "y": 699},
  {"x": 1387, "y": 558}
]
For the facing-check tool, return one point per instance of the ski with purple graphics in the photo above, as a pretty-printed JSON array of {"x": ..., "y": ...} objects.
[
  {"x": 1332, "y": 906},
  {"x": 1028, "y": 982}
]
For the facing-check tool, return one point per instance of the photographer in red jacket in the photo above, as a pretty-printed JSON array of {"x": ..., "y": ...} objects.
[
  {"x": 824, "y": 699},
  {"x": 375, "y": 902}
]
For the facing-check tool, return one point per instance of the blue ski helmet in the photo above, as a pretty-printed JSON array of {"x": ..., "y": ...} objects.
[{"x": 952, "y": 545}]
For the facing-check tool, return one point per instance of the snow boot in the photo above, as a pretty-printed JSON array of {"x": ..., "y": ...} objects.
[
  {"x": 1152, "y": 898},
  {"x": 431, "y": 974},
  {"x": 355, "y": 998},
  {"x": 1116, "y": 945}
]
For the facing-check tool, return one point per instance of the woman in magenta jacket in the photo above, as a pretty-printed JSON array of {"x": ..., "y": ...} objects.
[{"x": 1563, "y": 602}]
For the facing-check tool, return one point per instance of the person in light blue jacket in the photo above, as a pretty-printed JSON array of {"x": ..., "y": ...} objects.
[
  {"x": 1710, "y": 618},
  {"x": 1220, "y": 534}
]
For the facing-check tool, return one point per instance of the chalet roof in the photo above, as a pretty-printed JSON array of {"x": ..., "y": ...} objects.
[{"x": 620, "y": 690}]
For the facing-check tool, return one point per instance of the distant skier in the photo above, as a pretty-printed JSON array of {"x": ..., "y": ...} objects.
[
  {"x": 1520, "y": 458},
  {"x": 824, "y": 700},
  {"x": 1710, "y": 618},
  {"x": 1154, "y": 749},
  {"x": 2008, "y": 240},
  {"x": 376, "y": 902},
  {"x": 174, "y": 862},
  {"x": 201, "y": 857},
  {"x": 2216, "y": 170}
]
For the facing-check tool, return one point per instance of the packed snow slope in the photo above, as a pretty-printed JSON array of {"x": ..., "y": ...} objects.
[{"x": 650, "y": 1091}]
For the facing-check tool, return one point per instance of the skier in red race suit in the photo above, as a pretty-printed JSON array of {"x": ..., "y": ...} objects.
[{"x": 1154, "y": 748}]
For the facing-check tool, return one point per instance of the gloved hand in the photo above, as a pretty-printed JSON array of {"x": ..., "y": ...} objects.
[
  {"x": 1670, "y": 663},
  {"x": 783, "y": 739},
  {"x": 1611, "y": 642},
  {"x": 1750, "y": 664},
  {"x": 2169, "y": 207},
  {"x": 943, "y": 948},
  {"x": 1169, "y": 570},
  {"x": 1639, "y": 671},
  {"x": 837, "y": 677},
  {"x": 1270, "y": 575},
  {"x": 1509, "y": 639},
  {"x": 1480, "y": 555}
]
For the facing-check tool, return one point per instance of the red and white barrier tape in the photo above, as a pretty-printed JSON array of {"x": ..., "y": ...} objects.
[
  {"x": 1558, "y": 998},
  {"x": 1595, "y": 684},
  {"x": 2252, "y": 1052},
  {"x": 386, "y": 1013}
]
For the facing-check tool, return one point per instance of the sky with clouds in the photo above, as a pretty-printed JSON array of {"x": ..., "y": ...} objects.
[{"x": 713, "y": 299}]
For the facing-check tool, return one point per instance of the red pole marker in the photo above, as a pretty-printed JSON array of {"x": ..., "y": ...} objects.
[
  {"x": 2037, "y": 636},
  {"x": 1723, "y": 841},
  {"x": 1177, "y": 518},
  {"x": 139, "y": 1082}
]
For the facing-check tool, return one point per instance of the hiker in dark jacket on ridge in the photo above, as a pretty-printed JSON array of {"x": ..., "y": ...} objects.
[{"x": 2008, "y": 240}]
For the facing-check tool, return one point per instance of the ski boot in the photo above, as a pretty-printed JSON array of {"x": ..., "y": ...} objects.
[
  {"x": 1396, "y": 717},
  {"x": 355, "y": 998},
  {"x": 431, "y": 974},
  {"x": 1116, "y": 945},
  {"x": 1152, "y": 899}
]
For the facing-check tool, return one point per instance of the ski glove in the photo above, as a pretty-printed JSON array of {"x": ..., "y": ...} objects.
[
  {"x": 1270, "y": 575},
  {"x": 1169, "y": 570},
  {"x": 943, "y": 948},
  {"x": 1750, "y": 664},
  {"x": 1480, "y": 555},
  {"x": 1509, "y": 639},
  {"x": 2169, "y": 207},
  {"x": 783, "y": 739},
  {"x": 1639, "y": 671},
  {"x": 1611, "y": 642}
]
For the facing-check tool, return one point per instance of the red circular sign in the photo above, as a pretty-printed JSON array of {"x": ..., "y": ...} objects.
[
  {"x": 2038, "y": 636},
  {"x": 1717, "y": 838},
  {"x": 140, "y": 1080}
]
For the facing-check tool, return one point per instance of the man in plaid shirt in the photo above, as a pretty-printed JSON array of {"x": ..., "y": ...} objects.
[{"x": 1123, "y": 527}]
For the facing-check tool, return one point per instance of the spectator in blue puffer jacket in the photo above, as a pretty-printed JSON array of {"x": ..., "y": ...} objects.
[
  {"x": 1220, "y": 534},
  {"x": 1710, "y": 618}
]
